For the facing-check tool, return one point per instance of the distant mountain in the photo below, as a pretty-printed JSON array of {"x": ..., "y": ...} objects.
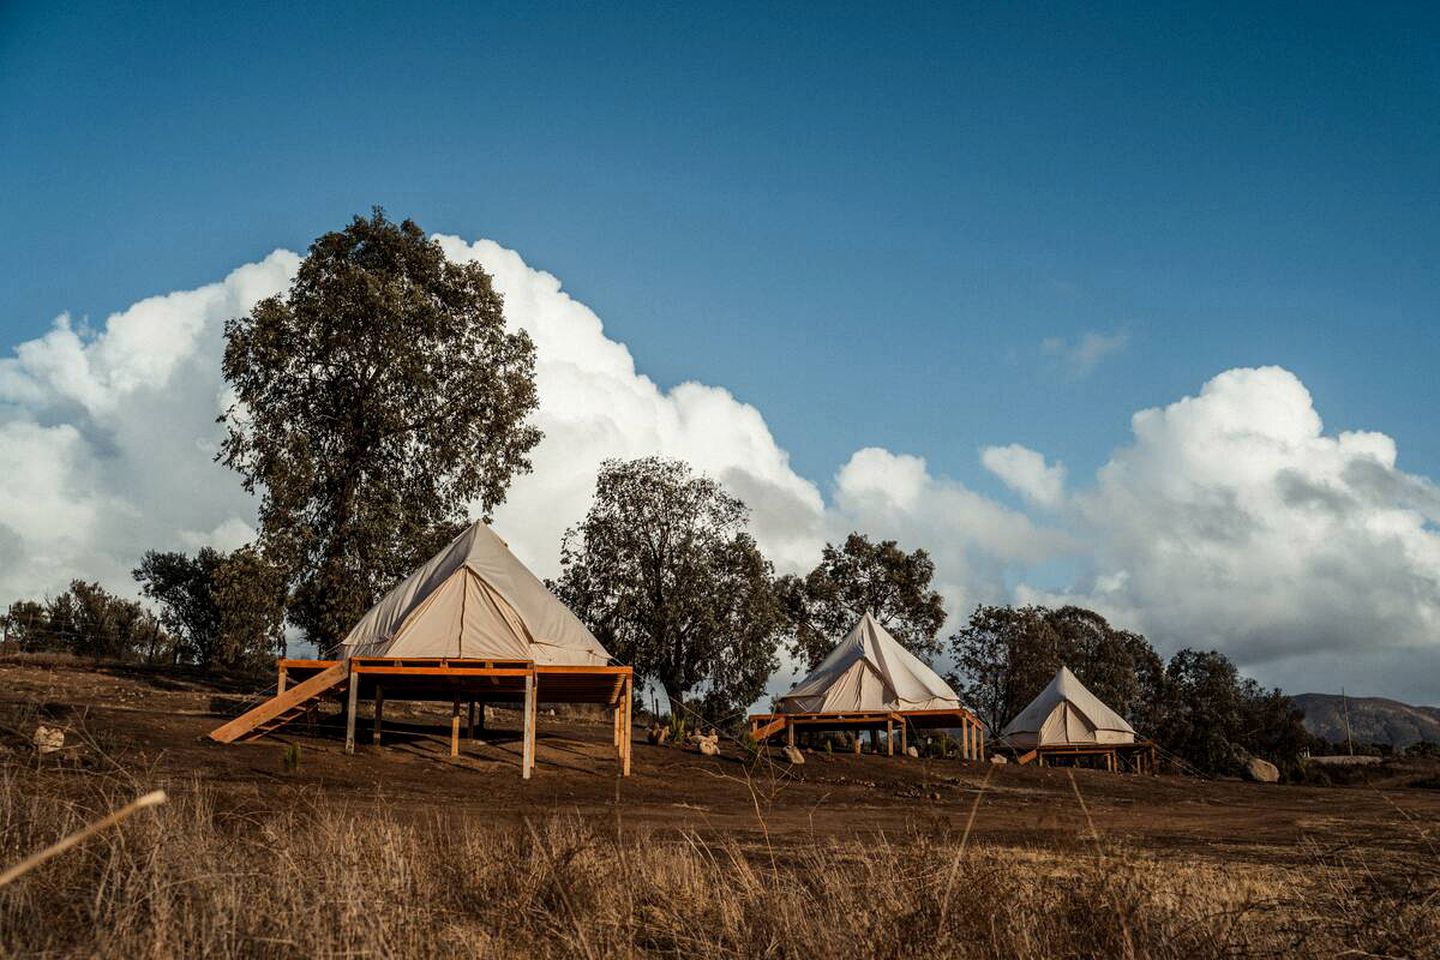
[{"x": 1372, "y": 719}]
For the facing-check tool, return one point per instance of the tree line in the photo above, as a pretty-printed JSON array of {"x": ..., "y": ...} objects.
[{"x": 382, "y": 400}]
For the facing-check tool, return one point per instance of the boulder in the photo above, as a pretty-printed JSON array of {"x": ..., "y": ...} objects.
[
  {"x": 48, "y": 739},
  {"x": 709, "y": 746},
  {"x": 658, "y": 734},
  {"x": 912, "y": 752},
  {"x": 997, "y": 758},
  {"x": 793, "y": 754},
  {"x": 1261, "y": 771}
]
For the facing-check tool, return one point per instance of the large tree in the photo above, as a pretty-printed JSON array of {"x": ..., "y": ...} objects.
[
  {"x": 664, "y": 573},
  {"x": 860, "y": 577},
  {"x": 227, "y": 610},
  {"x": 373, "y": 404},
  {"x": 1208, "y": 709},
  {"x": 1004, "y": 656}
]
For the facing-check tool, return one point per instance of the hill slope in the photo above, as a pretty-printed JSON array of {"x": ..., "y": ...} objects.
[{"x": 1372, "y": 719}]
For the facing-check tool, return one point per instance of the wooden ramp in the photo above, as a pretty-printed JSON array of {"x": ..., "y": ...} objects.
[
  {"x": 283, "y": 707},
  {"x": 761, "y": 734}
]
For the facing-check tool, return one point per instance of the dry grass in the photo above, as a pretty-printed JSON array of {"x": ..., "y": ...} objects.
[{"x": 305, "y": 878}]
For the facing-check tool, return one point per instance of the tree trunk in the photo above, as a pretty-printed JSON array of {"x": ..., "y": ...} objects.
[{"x": 677, "y": 700}]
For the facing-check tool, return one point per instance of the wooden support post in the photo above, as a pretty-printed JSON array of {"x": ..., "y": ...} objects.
[
  {"x": 282, "y": 677},
  {"x": 627, "y": 731},
  {"x": 527, "y": 749},
  {"x": 965, "y": 738},
  {"x": 857, "y": 743},
  {"x": 470, "y": 723},
  {"x": 789, "y": 734},
  {"x": 904, "y": 742},
  {"x": 379, "y": 713},
  {"x": 889, "y": 738},
  {"x": 980, "y": 731},
  {"x": 352, "y": 702},
  {"x": 455, "y": 727}
]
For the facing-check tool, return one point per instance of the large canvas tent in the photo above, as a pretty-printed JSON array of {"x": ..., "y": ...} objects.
[
  {"x": 474, "y": 600},
  {"x": 471, "y": 626},
  {"x": 869, "y": 671},
  {"x": 869, "y": 681}
]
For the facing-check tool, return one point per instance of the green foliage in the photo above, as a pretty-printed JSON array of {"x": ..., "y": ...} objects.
[
  {"x": 665, "y": 575},
  {"x": 1004, "y": 657},
  {"x": 227, "y": 610},
  {"x": 677, "y": 729},
  {"x": 1206, "y": 709},
  {"x": 862, "y": 577},
  {"x": 88, "y": 621},
  {"x": 374, "y": 402},
  {"x": 1198, "y": 706}
]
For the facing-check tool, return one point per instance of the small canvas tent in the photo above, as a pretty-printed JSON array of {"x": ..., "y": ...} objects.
[
  {"x": 869, "y": 671},
  {"x": 1065, "y": 714},
  {"x": 474, "y": 600}
]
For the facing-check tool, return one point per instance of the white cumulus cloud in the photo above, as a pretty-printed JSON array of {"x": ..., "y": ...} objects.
[
  {"x": 1026, "y": 472},
  {"x": 1232, "y": 520},
  {"x": 1228, "y": 519}
]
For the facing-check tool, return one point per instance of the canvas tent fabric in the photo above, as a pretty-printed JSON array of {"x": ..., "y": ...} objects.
[
  {"x": 474, "y": 600},
  {"x": 869, "y": 671},
  {"x": 1066, "y": 712}
]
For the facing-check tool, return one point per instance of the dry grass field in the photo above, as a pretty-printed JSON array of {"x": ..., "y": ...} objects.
[{"x": 403, "y": 852}]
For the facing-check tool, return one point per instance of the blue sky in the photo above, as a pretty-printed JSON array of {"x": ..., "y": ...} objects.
[
  {"x": 938, "y": 231},
  {"x": 866, "y": 222}
]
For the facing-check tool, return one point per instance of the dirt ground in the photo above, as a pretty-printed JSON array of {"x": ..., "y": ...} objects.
[{"x": 156, "y": 724}]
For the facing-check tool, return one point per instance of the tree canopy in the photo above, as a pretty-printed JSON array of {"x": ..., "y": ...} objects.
[
  {"x": 373, "y": 404},
  {"x": 665, "y": 575},
  {"x": 860, "y": 577},
  {"x": 1197, "y": 706},
  {"x": 225, "y": 610},
  {"x": 89, "y": 621}
]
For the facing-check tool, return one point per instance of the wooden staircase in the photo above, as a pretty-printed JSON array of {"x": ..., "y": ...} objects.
[
  {"x": 761, "y": 734},
  {"x": 284, "y": 707}
]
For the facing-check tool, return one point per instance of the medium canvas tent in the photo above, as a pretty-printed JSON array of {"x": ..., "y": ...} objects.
[
  {"x": 869, "y": 671},
  {"x": 1064, "y": 714},
  {"x": 474, "y": 600}
]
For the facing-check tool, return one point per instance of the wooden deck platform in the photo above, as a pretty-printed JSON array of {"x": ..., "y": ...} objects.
[
  {"x": 303, "y": 683},
  {"x": 1142, "y": 756},
  {"x": 764, "y": 726}
]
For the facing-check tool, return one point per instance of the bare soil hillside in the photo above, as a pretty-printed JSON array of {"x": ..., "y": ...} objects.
[{"x": 157, "y": 723}]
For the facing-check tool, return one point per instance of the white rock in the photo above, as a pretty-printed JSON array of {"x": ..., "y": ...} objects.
[
  {"x": 48, "y": 739},
  {"x": 793, "y": 754}
]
